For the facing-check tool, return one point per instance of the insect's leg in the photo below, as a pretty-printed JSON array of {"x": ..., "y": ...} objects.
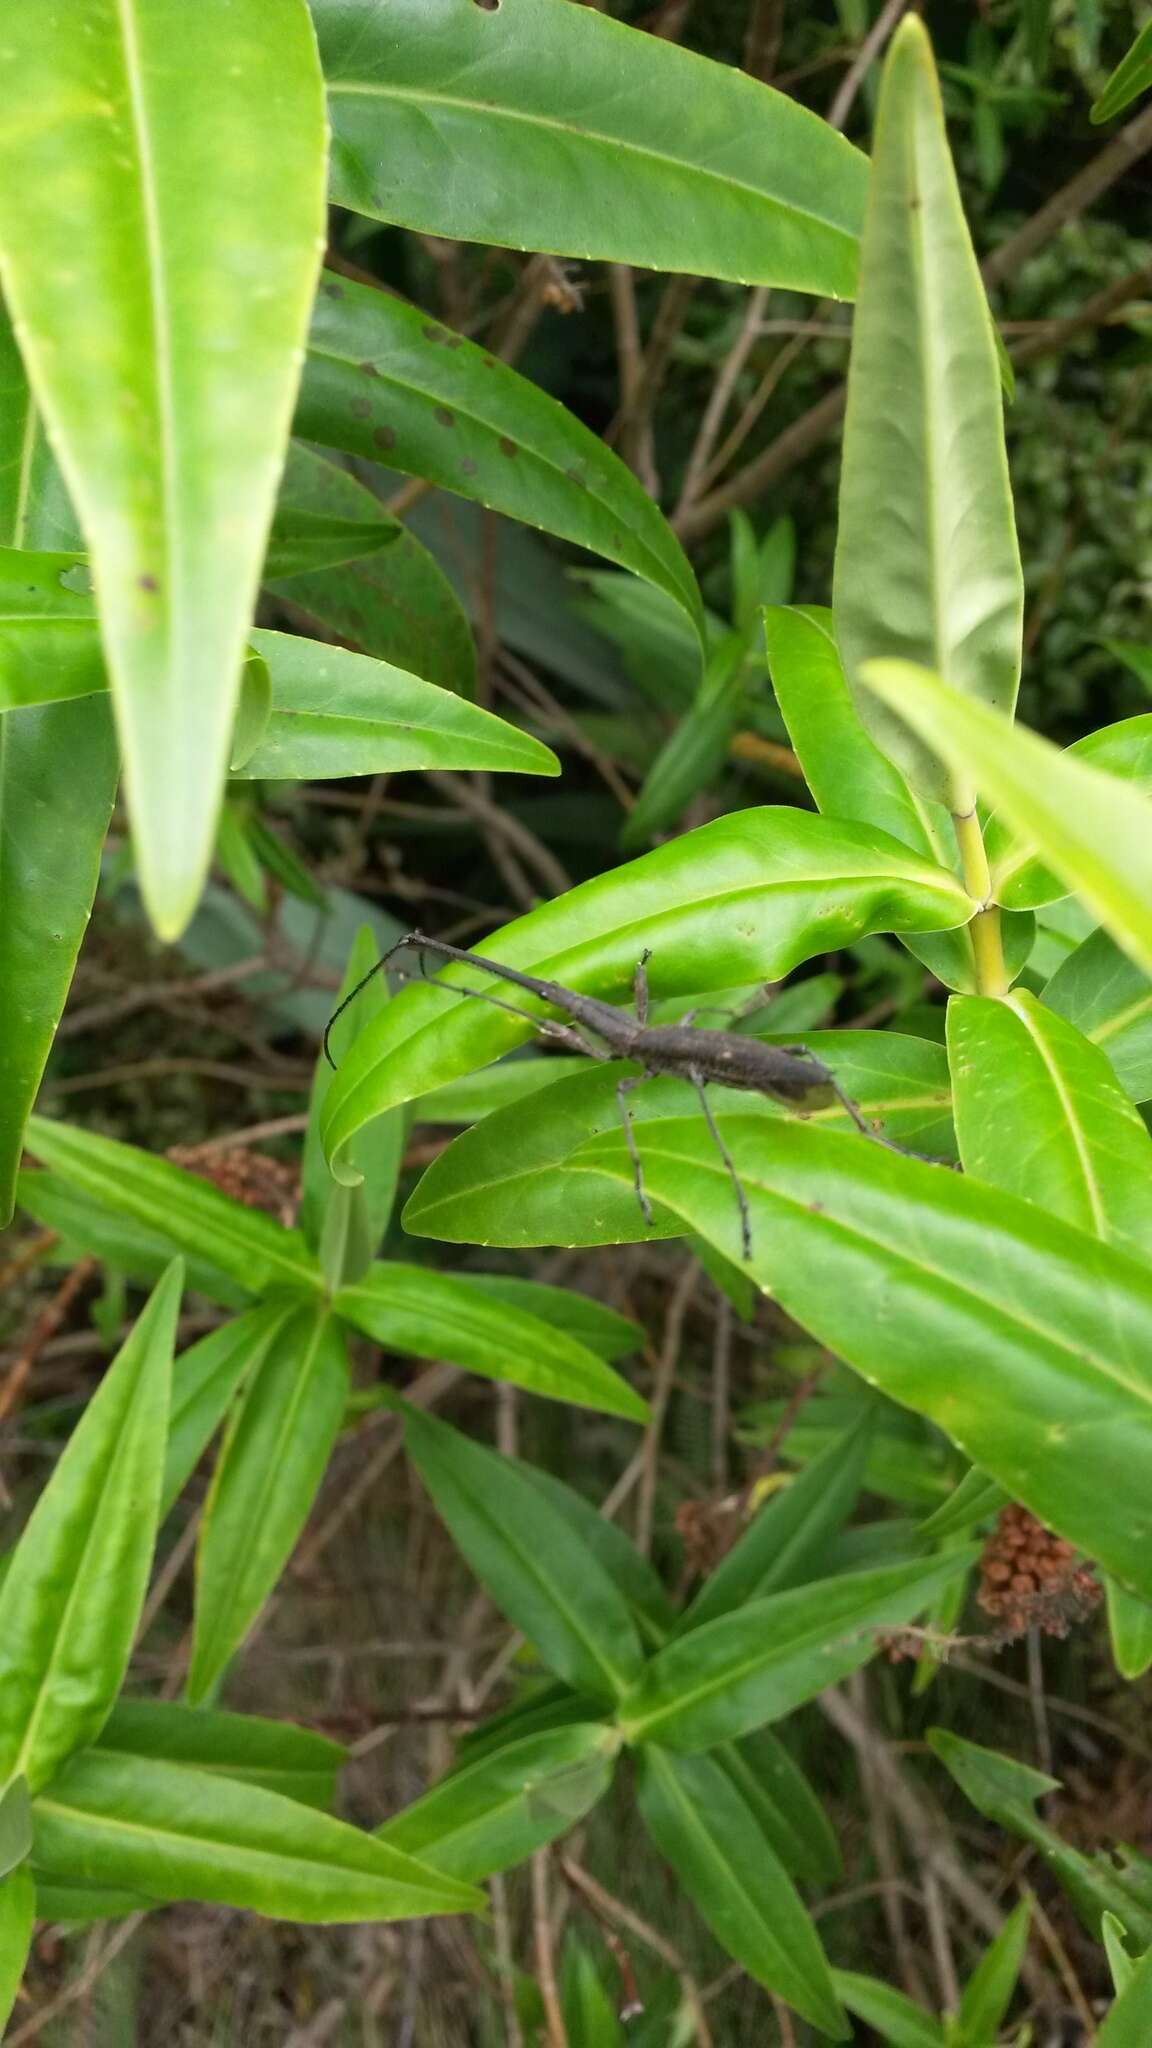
[
  {"x": 623, "y": 1090},
  {"x": 409, "y": 939},
  {"x": 640, "y": 986},
  {"x": 697, "y": 1080}
]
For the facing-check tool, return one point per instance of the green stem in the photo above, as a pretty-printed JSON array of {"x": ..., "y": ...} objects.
[{"x": 987, "y": 947}]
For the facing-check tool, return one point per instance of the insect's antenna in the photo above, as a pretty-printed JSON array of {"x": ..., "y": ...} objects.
[{"x": 410, "y": 938}]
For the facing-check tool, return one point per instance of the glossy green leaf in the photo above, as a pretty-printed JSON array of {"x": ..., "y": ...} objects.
[
  {"x": 695, "y": 753},
  {"x": 755, "y": 1665},
  {"x": 789, "y": 1534},
  {"x": 427, "y": 1314},
  {"x": 775, "y": 1789},
  {"x": 71, "y": 1597},
  {"x": 630, "y": 1572},
  {"x": 927, "y": 565},
  {"x": 475, "y": 1095},
  {"x": 1129, "y": 2023},
  {"x": 895, "y": 2017},
  {"x": 345, "y": 1225},
  {"x": 972, "y": 1502},
  {"x": 309, "y": 537},
  {"x": 17, "y": 1914},
  {"x": 1130, "y": 1630},
  {"x": 988, "y": 1992},
  {"x": 119, "y": 1241},
  {"x": 524, "y": 1551},
  {"x": 192, "y": 1214},
  {"x": 601, "y": 1328},
  {"x": 253, "y": 709},
  {"x": 205, "y": 1381},
  {"x": 534, "y": 128},
  {"x": 1019, "y": 879},
  {"x": 1089, "y": 827},
  {"x": 49, "y": 645},
  {"x": 1100, "y": 990},
  {"x": 699, "y": 1822},
  {"x": 176, "y": 1833},
  {"x": 274, "y": 1754},
  {"x": 131, "y": 231},
  {"x": 1025, "y": 1340},
  {"x": 396, "y": 603},
  {"x": 1132, "y": 76},
  {"x": 496, "y": 1812},
  {"x": 1120, "y": 1963},
  {"x": 80, "y": 1905},
  {"x": 1040, "y": 1113},
  {"x": 270, "y": 1466},
  {"x": 589, "y": 1999},
  {"x": 741, "y": 899},
  {"x": 336, "y": 713},
  {"x": 15, "y": 1825},
  {"x": 385, "y": 381},
  {"x": 520, "y": 1181}
]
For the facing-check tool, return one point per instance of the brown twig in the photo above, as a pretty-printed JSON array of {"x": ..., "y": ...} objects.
[
  {"x": 46, "y": 1325},
  {"x": 555, "y": 2029},
  {"x": 762, "y": 39},
  {"x": 606, "y": 1906}
]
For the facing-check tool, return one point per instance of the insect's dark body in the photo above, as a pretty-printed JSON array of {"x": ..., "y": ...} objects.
[{"x": 603, "y": 1032}]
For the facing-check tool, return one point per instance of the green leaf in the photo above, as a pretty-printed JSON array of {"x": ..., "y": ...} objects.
[
  {"x": 1132, "y": 76},
  {"x": 205, "y": 1381},
  {"x": 345, "y": 1225},
  {"x": 1130, "y": 1630},
  {"x": 175, "y": 1833},
  {"x": 119, "y": 1241},
  {"x": 1022, "y": 881},
  {"x": 477, "y": 1095},
  {"x": 988, "y": 1992},
  {"x": 1100, "y": 990},
  {"x": 789, "y": 1535},
  {"x": 527, "y": 1181},
  {"x": 522, "y": 1549},
  {"x": 695, "y": 753},
  {"x": 17, "y": 1914},
  {"x": 494, "y": 1813},
  {"x": 427, "y": 1314},
  {"x": 49, "y": 645},
  {"x": 775, "y": 1789},
  {"x": 1120, "y": 1962},
  {"x": 15, "y": 1826},
  {"x": 253, "y": 709},
  {"x": 972, "y": 1501},
  {"x": 895, "y": 2017},
  {"x": 1025, "y": 1340},
  {"x": 71, "y": 1598},
  {"x": 1040, "y": 1113},
  {"x": 755, "y": 1665},
  {"x": 605, "y": 1332},
  {"x": 383, "y": 380},
  {"x": 80, "y": 1905},
  {"x": 308, "y": 537},
  {"x": 193, "y": 1215},
  {"x": 699, "y": 1822},
  {"x": 336, "y": 713},
  {"x": 131, "y": 231},
  {"x": 589, "y": 2002},
  {"x": 535, "y": 128},
  {"x": 274, "y": 1754},
  {"x": 1130, "y": 2020},
  {"x": 744, "y": 898},
  {"x": 270, "y": 1466},
  {"x": 1089, "y": 827},
  {"x": 630, "y": 1572},
  {"x": 927, "y": 565}
]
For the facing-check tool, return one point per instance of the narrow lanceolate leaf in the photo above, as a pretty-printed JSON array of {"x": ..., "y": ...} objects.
[
  {"x": 173, "y": 1832},
  {"x": 440, "y": 1315},
  {"x": 344, "y": 1225},
  {"x": 273, "y": 1754},
  {"x": 205, "y": 1381},
  {"x": 1089, "y": 827},
  {"x": 270, "y": 1466},
  {"x": 1027, "y": 1341},
  {"x": 385, "y": 381},
  {"x": 71, "y": 1597},
  {"x": 755, "y": 1665},
  {"x": 1129, "y": 1630},
  {"x": 1040, "y": 1113},
  {"x": 1130, "y": 2021},
  {"x": 630, "y": 1571},
  {"x": 17, "y": 1914},
  {"x": 740, "y": 900},
  {"x": 1019, "y": 878},
  {"x": 336, "y": 713},
  {"x": 899, "y": 2022},
  {"x": 1100, "y": 990},
  {"x": 699, "y": 1822},
  {"x": 777, "y": 1792},
  {"x": 1132, "y": 76},
  {"x": 15, "y": 1825},
  {"x": 524, "y": 1551},
  {"x": 927, "y": 565},
  {"x": 54, "y": 819},
  {"x": 397, "y": 603},
  {"x": 160, "y": 266},
  {"x": 988, "y": 1992},
  {"x": 497, "y": 1811},
  {"x": 193, "y": 1215},
  {"x": 534, "y": 128}
]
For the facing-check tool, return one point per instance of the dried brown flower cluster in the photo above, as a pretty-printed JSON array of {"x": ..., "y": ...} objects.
[
  {"x": 249, "y": 1177},
  {"x": 1030, "y": 1578}
]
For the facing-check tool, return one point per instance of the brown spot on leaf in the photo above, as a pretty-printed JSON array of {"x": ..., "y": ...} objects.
[
  {"x": 468, "y": 467},
  {"x": 332, "y": 291},
  {"x": 362, "y": 408},
  {"x": 445, "y": 415},
  {"x": 384, "y": 437},
  {"x": 431, "y": 332},
  {"x": 369, "y": 370},
  {"x": 508, "y": 447},
  {"x": 148, "y": 583}
]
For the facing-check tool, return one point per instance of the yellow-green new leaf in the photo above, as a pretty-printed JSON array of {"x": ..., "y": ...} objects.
[
  {"x": 1090, "y": 827},
  {"x": 161, "y": 213},
  {"x": 71, "y": 1598},
  {"x": 927, "y": 565},
  {"x": 17, "y": 1912}
]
